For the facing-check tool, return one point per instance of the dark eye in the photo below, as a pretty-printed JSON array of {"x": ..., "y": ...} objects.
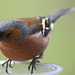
[{"x": 9, "y": 34}]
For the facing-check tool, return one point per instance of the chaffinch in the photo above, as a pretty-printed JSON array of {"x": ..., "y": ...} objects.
[{"x": 22, "y": 39}]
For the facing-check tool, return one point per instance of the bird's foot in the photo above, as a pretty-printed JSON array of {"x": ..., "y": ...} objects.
[
  {"x": 8, "y": 64},
  {"x": 32, "y": 65}
]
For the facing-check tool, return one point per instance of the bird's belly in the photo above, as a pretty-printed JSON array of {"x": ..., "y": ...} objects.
[{"x": 29, "y": 48}]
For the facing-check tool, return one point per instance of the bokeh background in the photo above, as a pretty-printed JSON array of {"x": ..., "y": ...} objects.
[{"x": 61, "y": 50}]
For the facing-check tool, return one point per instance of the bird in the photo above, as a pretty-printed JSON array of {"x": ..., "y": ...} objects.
[{"x": 22, "y": 39}]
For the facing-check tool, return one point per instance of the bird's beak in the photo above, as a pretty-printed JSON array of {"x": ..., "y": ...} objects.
[{"x": 1, "y": 36}]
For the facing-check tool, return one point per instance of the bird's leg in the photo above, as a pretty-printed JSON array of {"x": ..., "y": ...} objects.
[
  {"x": 33, "y": 62},
  {"x": 40, "y": 56},
  {"x": 8, "y": 64}
]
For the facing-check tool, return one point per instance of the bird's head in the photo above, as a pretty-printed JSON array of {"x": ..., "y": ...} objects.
[{"x": 13, "y": 31}]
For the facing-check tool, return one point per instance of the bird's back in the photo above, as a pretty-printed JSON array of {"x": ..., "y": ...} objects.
[{"x": 30, "y": 21}]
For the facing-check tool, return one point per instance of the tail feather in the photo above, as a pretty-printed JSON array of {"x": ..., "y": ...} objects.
[{"x": 54, "y": 17}]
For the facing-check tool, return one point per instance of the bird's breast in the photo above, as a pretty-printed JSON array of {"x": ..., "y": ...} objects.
[{"x": 32, "y": 46}]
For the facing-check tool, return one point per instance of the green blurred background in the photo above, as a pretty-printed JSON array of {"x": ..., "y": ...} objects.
[{"x": 61, "y": 50}]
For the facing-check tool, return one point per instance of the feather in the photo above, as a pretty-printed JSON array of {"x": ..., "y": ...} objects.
[{"x": 57, "y": 15}]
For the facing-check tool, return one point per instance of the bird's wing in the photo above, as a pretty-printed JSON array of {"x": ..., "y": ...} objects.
[
  {"x": 33, "y": 24},
  {"x": 43, "y": 26},
  {"x": 34, "y": 29}
]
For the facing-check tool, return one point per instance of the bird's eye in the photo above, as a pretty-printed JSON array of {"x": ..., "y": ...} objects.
[{"x": 9, "y": 34}]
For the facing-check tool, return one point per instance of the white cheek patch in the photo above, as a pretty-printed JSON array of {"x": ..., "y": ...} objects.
[{"x": 51, "y": 26}]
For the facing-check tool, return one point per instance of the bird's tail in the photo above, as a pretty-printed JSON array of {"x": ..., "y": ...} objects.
[{"x": 57, "y": 15}]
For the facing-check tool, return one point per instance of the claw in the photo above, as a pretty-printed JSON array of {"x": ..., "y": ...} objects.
[
  {"x": 10, "y": 64},
  {"x": 7, "y": 68},
  {"x": 7, "y": 65},
  {"x": 32, "y": 65}
]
